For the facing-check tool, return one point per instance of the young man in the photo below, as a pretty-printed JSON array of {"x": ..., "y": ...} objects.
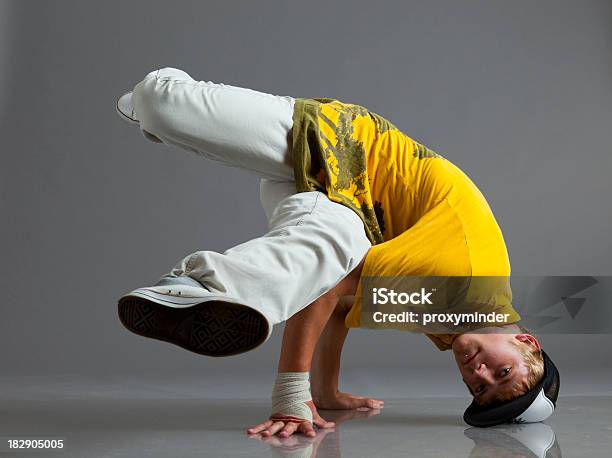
[{"x": 347, "y": 196}]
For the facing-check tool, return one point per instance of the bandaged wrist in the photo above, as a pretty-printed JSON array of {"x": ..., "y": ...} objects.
[{"x": 290, "y": 393}]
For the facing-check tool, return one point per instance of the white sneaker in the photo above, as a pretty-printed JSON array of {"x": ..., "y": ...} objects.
[
  {"x": 193, "y": 318},
  {"x": 126, "y": 109}
]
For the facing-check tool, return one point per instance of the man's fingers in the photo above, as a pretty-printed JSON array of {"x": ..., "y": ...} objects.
[
  {"x": 276, "y": 426},
  {"x": 322, "y": 423},
  {"x": 307, "y": 429},
  {"x": 260, "y": 427},
  {"x": 289, "y": 429}
]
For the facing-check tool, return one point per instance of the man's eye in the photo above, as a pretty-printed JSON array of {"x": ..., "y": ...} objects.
[
  {"x": 505, "y": 371},
  {"x": 480, "y": 388}
]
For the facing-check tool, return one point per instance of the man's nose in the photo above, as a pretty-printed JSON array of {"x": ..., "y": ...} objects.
[{"x": 482, "y": 372}]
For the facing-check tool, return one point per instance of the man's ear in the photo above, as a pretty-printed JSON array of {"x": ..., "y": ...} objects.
[{"x": 529, "y": 340}]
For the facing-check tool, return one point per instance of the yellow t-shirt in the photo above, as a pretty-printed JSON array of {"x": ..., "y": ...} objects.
[{"x": 424, "y": 216}]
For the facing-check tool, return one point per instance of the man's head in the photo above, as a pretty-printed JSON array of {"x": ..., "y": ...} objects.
[{"x": 499, "y": 363}]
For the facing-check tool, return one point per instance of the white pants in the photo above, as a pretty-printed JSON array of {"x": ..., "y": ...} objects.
[{"x": 312, "y": 242}]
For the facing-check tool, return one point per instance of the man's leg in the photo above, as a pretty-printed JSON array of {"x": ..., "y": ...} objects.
[
  {"x": 235, "y": 126},
  {"x": 313, "y": 243},
  {"x": 224, "y": 302}
]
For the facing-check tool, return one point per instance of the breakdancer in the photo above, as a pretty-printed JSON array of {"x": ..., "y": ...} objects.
[{"x": 347, "y": 196}]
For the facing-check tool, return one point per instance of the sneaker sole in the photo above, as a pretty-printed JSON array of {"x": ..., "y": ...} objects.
[{"x": 212, "y": 328}]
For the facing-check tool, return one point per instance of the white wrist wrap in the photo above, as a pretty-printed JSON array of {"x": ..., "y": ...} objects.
[{"x": 291, "y": 391}]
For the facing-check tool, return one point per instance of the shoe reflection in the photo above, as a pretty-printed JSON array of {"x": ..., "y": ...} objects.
[
  {"x": 536, "y": 440},
  {"x": 326, "y": 442}
]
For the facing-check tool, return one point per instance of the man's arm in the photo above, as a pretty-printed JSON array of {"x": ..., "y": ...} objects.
[
  {"x": 325, "y": 370},
  {"x": 302, "y": 331},
  {"x": 300, "y": 337}
]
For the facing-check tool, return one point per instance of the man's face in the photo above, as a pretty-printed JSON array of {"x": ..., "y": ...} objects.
[{"x": 491, "y": 365}]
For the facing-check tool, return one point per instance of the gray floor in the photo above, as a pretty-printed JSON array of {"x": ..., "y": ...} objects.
[{"x": 135, "y": 420}]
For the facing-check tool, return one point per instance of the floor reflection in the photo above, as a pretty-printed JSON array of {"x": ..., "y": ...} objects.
[
  {"x": 156, "y": 423},
  {"x": 536, "y": 440},
  {"x": 325, "y": 444}
]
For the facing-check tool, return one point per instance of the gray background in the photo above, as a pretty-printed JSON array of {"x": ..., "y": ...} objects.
[{"x": 517, "y": 94}]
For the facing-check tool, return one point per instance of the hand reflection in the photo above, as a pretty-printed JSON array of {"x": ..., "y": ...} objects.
[{"x": 300, "y": 446}]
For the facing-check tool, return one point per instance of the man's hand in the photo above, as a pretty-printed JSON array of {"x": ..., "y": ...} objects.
[
  {"x": 286, "y": 427},
  {"x": 346, "y": 401},
  {"x": 300, "y": 445}
]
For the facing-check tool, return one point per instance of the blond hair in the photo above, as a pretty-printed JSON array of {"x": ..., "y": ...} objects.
[{"x": 533, "y": 360}]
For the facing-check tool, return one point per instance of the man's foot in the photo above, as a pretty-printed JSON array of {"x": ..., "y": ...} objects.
[
  {"x": 125, "y": 108},
  {"x": 182, "y": 315},
  {"x": 342, "y": 401}
]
